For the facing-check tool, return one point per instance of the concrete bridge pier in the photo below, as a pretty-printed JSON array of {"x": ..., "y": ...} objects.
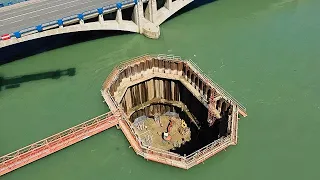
[
  {"x": 101, "y": 19},
  {"x": 137, "y": 15},
  {"x": 143, "y": 21},
  {"x": 100, "y": 16},
  {"x": 119, "y": 16}
]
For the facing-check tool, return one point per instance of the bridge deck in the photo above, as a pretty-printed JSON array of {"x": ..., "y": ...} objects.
[{"x": 17, "y": 17}]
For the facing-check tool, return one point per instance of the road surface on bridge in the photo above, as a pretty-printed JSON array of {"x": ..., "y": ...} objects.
[{"x": 16, "y": 18}]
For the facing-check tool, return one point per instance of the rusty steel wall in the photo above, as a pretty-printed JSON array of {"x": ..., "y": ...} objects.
[{"x": 165, "y": 88}]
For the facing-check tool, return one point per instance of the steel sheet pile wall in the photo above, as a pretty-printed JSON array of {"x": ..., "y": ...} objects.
[{"x": 162, "y": 85}]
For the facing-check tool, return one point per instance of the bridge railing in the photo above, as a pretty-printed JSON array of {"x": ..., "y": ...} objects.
[
  {"x": 72, "y": 18},
  {"x": 49, "y": 24}
]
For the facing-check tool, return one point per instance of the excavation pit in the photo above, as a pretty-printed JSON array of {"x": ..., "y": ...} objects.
[
  {"x": 171, "y": 112},
  {"x": 151, "y": 132}
]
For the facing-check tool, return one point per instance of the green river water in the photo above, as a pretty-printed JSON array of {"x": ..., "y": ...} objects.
[{"x": 265, "y": 53}]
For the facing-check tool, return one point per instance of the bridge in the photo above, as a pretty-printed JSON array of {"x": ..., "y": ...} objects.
[{"x": 41, "y": 18}]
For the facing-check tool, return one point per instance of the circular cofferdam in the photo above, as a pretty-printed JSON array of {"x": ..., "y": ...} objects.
[{"x": 166, "y": 104}]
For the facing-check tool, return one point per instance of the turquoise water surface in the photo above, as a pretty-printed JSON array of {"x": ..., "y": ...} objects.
[{"x": 265, "y": 53}]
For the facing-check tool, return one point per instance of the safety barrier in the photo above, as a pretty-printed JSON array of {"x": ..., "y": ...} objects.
[
  {"x": 216, "y": 86},
  {"x": 12, "y": 2},
  {"x": 56, "y": 23},
  {"x": 208, "y": 147},
  {"x": 119, "y": 68}
]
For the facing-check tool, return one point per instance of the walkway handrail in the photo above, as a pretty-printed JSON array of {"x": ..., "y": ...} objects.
[
  {"x": 161, "y": 151},
  {"x": 213, "y": 83},
  {"x": 54, "y": 137},
  {"x": 209, "y": 146},
  {"x": 216, "y": 85},
  {"x": 124, "y": 64},
  {"x": 119, "y": 68}
]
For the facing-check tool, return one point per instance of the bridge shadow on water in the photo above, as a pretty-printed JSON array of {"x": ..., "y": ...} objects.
[
  {"x": 37, "y": 46},
  {"x": 15, "y": 82}
]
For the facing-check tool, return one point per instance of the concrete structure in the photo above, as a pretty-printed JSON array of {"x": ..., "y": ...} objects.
[
  {"x": 144, "y": 22},
  {"x": 151, "y": 85}
]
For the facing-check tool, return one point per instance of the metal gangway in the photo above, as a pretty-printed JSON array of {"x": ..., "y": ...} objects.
[{"x": 54, "y": 143}]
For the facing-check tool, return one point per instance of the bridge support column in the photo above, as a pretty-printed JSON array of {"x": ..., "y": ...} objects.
[
  {"x": 168, "y": 4},
  {"x": 101, "y": 19},
  {"x": 138, "y": 15},
  {"x": 81, "y": 18},
  {"x": 119, "y": 16},
  {"x": 100, "y": 12},
  {"x": 119, "y": 13},
  {"x": 151, "y": 10}
]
